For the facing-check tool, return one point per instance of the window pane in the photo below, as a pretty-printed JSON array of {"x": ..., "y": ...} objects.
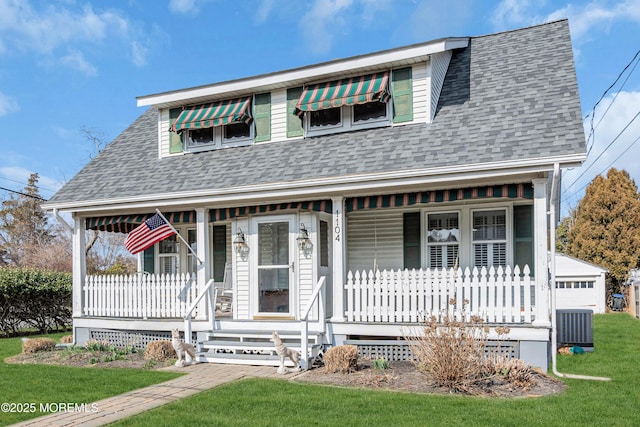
[
  {"x": 481, "y": 255},
  {"x": 443, "y": 228},
  {"x": 201, "y": 136},
  {"x": 324, "y": 244},
  {"x": 274, "y": 243},
  {"x": 274, "y": 290},
  {"x": 168, "y": 245},
  {"x": 368, "y": 111},
  {"x": 499, "y": 254},
  {"x": 328, "y": 117},
  {"x": 237, "y": 130},
  {"x": 489, "y": 225},
  {"x": 168, "y": 264}
]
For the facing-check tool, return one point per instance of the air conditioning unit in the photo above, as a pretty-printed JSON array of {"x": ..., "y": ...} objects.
[{"x": 575, "y": 328}]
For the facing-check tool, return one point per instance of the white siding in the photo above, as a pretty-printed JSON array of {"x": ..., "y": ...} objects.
[
  {"x": 242, "y": 272},
  {"x": 420, "y": 82},
  {"x": 375, "y": 236},
  {"x": 439, "y": 66},
  {"x": 278, "y": 115},
  {"x": 305, "y": 266},
  {"x": 163, "y": 133}
]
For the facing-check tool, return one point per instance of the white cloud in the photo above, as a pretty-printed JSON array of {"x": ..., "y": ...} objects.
[
  {"x": 185, "y": 7},
  {"x": 323, "y": 21},
  {"x": 621, "y": 154},
  {"x": 20, "y": 176},
  {"x": 139, "y": 53},
  {"x": 583, "y": 19},
  {"x": 8, "y": 105},
  {"x": 264, "y": 10},
  {"x": 45, "y": 30},
  {"x": 77, "y": 61}
]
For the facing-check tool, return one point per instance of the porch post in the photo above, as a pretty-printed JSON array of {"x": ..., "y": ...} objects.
[
  {"x": 79, "y": 270},
  {"x": 203, "y": 271},
  {"x": 541, "y": 252},
  {"x": 339, "y": 243}
]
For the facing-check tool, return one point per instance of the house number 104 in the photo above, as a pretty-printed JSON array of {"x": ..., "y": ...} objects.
[{"x": 336, "y": 230}]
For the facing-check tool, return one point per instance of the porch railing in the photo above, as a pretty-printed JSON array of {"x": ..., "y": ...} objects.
[
  {"x": 498, "y": 295},
  {"x": 139, "y": 295}
]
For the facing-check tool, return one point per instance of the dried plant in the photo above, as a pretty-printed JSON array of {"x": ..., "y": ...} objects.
[
  {"x": 38, "y": 344},
  {"x": 159, "y": 351},
  {"x": 67, "y": 339},
  {"x": 343, "y": 359}
]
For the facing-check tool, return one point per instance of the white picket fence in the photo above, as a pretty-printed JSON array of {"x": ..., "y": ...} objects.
[
  {"x": 498, "y": 295},
  {"x": 139, "y": 295}
]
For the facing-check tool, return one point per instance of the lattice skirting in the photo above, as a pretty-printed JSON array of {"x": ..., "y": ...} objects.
[
  {"x": 395, "y": 350},
  {"x": 138, "y": 339}
]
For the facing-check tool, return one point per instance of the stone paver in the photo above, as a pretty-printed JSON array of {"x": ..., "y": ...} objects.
[{"x": 202, "y": 376}]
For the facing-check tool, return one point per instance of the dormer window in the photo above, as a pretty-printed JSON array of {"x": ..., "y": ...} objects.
[
  {"x": 215, "y": 125},
  {"x": 346, "y": 104}
]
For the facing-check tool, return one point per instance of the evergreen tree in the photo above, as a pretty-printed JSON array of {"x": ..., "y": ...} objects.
[
  {"x": 606, "y": 230},
  {"x": 23, "y": 225}
]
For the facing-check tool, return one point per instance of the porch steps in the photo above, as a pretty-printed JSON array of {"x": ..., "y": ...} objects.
[{"x": 252, "y": 347}]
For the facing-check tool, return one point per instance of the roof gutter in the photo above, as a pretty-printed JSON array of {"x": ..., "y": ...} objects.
[
  {"x": 554, "y": 321},
  {"x": 62, "y": 220},
  {"x": 325, "y": 187}
]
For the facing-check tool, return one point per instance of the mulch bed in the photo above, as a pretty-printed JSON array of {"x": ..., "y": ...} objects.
[{"x": 403, "y": 376}]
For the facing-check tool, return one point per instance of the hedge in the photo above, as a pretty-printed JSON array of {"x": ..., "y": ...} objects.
[{"x": 31, "y": 298}]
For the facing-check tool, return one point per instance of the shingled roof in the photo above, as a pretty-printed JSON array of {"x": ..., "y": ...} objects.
[{"x": 506, "y": 97}]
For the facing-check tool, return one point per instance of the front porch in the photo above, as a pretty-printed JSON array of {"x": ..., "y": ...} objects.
[{"x": 381, "y": 306}]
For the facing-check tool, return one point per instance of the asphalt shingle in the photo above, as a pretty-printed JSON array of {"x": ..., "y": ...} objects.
[{"x": 506, "y": 97}]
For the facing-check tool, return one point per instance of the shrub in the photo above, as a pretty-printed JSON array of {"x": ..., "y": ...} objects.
[
  {"x": 36, "y": 298},
  {"x": 380, "y": 364},
  {"x": 38, "y": 344},
  {"x": 451, "y": 351},
  {"x": 159, "y": 351},
  {"x": 343, "y": 359},
  {"x": 67, "y": 339}
]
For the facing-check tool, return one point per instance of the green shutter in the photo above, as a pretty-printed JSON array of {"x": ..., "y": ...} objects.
[
  {"x": 262, "y": 116},
  {"x": 402, "y": 92},
  {"x": 294, "y": 123},
  {"x": 219, "y": 251},
  {"x": 411, "y": 239},
  {"x": 175, "y": 139},
  {"x": 523, "y": 236},
  {"x": 148, "y": 260}
]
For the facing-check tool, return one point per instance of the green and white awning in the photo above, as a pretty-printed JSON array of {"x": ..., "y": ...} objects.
[
  {"x": 352, "y": 91},
  {"x": 507, "y": 191},
  {"x": 214, "y": 114},
  {"x": 126, "y": 223}
]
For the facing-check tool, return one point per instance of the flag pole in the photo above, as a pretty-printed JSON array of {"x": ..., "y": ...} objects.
[{"x": 179, "y": 236}]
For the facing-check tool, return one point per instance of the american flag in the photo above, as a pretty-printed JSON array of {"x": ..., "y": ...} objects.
[{"x": 148, "y": 234}]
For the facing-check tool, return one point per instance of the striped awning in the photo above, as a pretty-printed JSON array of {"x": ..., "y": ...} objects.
[
  {"x": 214, "y": 114},
  {"x": 230, "y": 213},
  {"x": 126, "y": 223},
  {"x": 355, "y": 90},
  {"x": 509, "y": 191}
]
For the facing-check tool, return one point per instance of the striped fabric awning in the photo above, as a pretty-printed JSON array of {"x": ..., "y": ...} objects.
[
  {"x": 126, "y": 223},
  {"x": 230, "y": 213},
  {"x": 510, "y": 191},
  {"x": 355, "y": 90},
  {"x": 214, "y": 114}
]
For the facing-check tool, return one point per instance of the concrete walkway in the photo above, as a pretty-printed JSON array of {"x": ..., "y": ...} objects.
[{"x": 202, "y": 376}]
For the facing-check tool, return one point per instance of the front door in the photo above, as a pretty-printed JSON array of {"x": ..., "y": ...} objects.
[{"x": 275, "y": 266}]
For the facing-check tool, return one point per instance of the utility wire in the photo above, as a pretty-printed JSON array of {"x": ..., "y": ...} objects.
[
  {"x": 603, "y": 151},
  {"x": 23, "y": 194},
  {"x": 593, "y": 110},
  {"x": 608, "y": 166},
  {"x": 25, "y": 183}
]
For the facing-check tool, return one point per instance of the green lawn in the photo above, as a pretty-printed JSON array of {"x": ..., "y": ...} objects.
[
  {"x": 261, "y": 402},
  {"x": 55, "y": 384}
]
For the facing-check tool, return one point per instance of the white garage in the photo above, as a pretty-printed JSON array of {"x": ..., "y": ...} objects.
[{"x": 579, "y": 284}]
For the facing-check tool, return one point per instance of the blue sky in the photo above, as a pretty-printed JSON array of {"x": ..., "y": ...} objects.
[{"x": 71, "y": 65}]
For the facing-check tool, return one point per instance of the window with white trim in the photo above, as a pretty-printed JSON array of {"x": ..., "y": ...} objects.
[
  {"x": 489, "y": 238},
  {"x": 443, "y": 240},
  {"x": 348, "y": 117},
  {"x": 231, "y": 135},
  {"x": 168, "y": 257}
]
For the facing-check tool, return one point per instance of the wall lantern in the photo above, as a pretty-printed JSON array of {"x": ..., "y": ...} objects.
[
  {"x": 240, "y": 244},
  {"x": 304, "y": 242}
]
